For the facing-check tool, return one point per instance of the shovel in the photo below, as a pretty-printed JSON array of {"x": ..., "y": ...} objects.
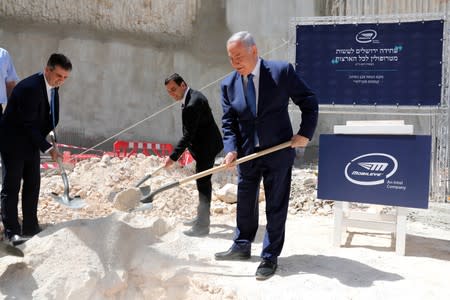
[
  {"x": 10, "y": 250},
  {"x": 149, "y": 198},
  {"x": 146, "y": 189},
  {"x": 65, "y": 199}
]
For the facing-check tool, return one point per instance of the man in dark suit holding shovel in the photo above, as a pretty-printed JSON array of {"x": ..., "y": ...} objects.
[
  {"x": 204, "y": 141},
  {"x": 255, "y": 99},
  {"x": 32, "y": 112}
]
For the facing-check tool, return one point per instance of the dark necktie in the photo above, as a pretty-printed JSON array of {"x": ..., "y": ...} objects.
[
  {"x": 52, "y": 106},
  {"x": 251, "y": 94},
  {"x": 251, "y": 102}
]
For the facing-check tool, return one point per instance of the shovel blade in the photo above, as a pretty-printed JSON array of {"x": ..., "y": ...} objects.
[
  {"x": 10, "y": 250},
  {"x": 74, "y": 203},
  {"x": 145, "y": 190}
]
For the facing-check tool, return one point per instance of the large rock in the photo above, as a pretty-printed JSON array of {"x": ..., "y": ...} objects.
[{"x": 228, "y": 193}]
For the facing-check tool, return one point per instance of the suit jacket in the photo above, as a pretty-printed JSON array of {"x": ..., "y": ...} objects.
[
  {"x": 27, "y": 119},
  {"x": 200, "y": 132},
  {"x": 277, "y": 83}
]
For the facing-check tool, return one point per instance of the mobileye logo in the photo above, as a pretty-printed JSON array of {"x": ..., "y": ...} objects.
[
  {"x": 371, "y": 168},
  {"x": 366, "y": 36}
]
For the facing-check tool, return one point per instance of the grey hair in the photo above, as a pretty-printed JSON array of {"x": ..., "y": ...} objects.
[{"x": 242, "y": 36}]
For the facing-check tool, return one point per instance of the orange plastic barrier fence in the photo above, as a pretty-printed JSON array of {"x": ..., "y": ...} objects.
[{"x": 129, "y": 148}]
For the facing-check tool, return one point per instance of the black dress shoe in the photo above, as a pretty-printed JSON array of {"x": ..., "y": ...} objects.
[
  {"x": 17, "y": 240},
  {"x": 265, "y": 270},
  {"x": 232, "y": 254},
  {"x": 197, "y": 231}
]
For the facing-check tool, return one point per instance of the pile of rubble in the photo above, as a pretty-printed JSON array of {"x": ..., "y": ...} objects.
[{"x": 97, "y": 181}]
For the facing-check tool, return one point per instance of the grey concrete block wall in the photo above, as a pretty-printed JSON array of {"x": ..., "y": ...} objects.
[
  {"x": 156, "y": 17},
  {"x": 123, "y": 50},
  {"x": 118, "y": 73}
]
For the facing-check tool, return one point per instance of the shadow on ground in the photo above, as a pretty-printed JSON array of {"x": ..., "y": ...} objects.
[{"x": 349, "y": 272}]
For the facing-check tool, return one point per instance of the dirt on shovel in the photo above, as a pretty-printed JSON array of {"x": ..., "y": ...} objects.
[{"x": 128, "y": 199}]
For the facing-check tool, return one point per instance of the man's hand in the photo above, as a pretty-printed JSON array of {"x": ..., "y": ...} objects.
[
  {"x": 299, "y": 141},
  {"x": 54, "y": 153},
  {"x": 229, "y": 159},
  {"x": 169, "y": 162}
]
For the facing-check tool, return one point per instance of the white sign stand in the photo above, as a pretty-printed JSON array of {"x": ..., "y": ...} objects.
[{"x": 344, "y": 218}]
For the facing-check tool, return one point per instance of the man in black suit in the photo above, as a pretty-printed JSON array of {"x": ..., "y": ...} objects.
[
  {"x": 32, "y": 112},
  {"x": 204, "y": 141}
]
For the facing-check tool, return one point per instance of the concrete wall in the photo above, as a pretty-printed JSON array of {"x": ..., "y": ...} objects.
[
  {"x": 122, "y": 51},
  {"x": 156, "y": 17},
  {"x": 119, "y": 68}
]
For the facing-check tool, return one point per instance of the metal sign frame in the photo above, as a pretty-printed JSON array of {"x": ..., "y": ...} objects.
[{"x": 435, "y": 119}]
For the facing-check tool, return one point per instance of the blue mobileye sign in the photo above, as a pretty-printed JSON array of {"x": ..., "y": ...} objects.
[
  {"x": 377, "y": 169},
  {"x": 371, "y": 168},
  {"x": 372, "y": 63}
]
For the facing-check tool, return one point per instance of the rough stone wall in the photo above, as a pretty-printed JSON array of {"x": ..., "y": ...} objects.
[
  {"x": 119, "y": 68},
  {"x": 172, "y": 17}
]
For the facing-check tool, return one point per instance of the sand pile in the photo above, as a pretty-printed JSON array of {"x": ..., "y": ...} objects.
[
  {"x": 101, "y": 252},
  {"x": 115, "y": 257},
  {"x": 98, "y": 252}
]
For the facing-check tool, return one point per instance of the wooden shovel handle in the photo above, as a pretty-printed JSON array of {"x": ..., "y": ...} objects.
[
  {"x": 237, "y": 162},
  {"x": 147, "y": 177}
]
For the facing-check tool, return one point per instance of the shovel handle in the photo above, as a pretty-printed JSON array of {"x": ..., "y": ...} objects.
[
  {"x": 65, "y": 180},
  {"x": 149, "y": 198},
  {"x": 148, "y": 176},
  {"x": 237, "y": 162},
  {"x": 58, "y": 159}
]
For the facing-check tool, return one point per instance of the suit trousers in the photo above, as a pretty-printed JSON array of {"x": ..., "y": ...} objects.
[
  {"x": 14, "y": 170},
  {"x": 277, "y": 186},
  {"x": 204, "y": 187}
]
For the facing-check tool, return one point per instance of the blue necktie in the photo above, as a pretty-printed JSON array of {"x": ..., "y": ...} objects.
[
  {"x": 251, "y": 102},
  {"x": 251, "y": 94},
  {"x": 52, "y": 106}
]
